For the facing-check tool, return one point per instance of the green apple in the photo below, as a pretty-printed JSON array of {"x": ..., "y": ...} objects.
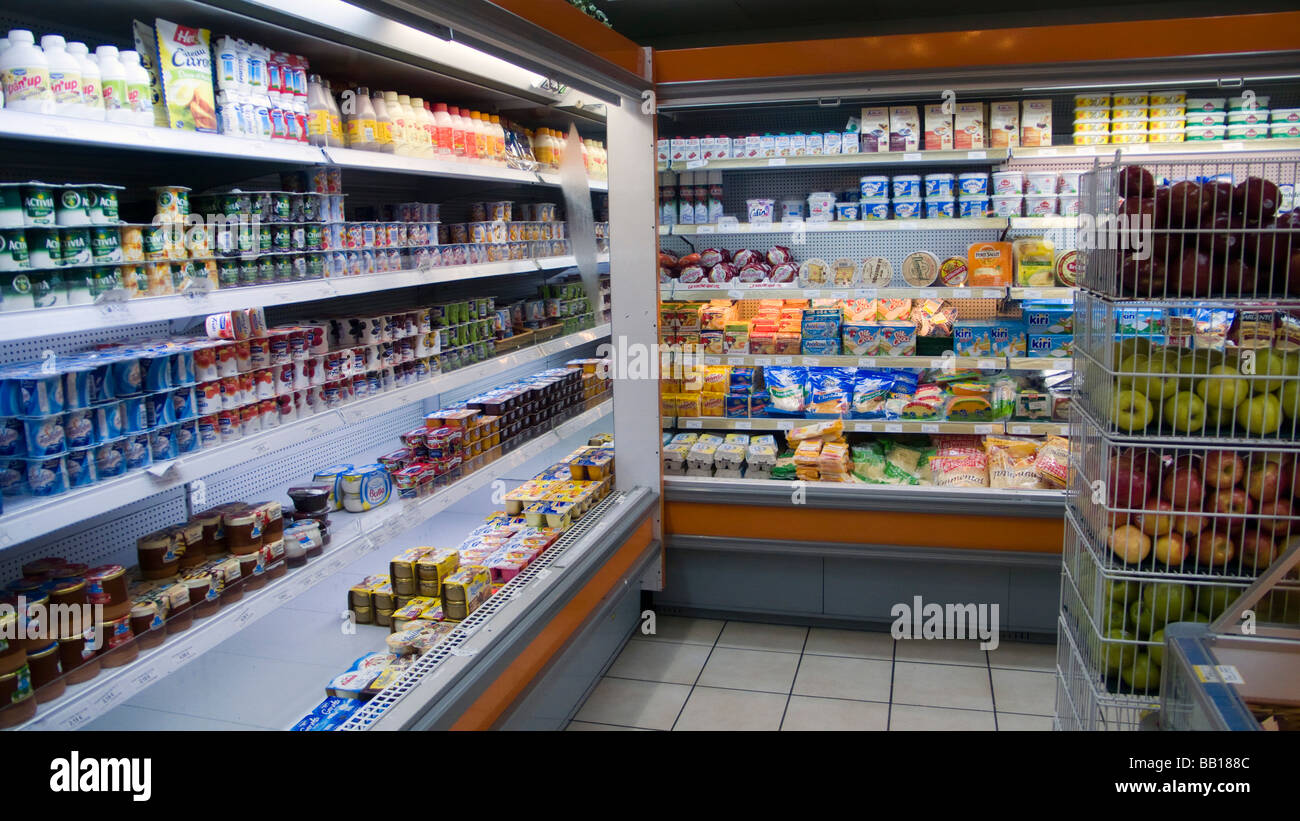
[
  {"x": 1223, "y": 387},
  {"x": 1213, "y": 600},
  {"x": 1157, "y": 652},
  {"x": 1184, "y": 412},
  {"x": 1113, "y": 616},
  {"x": 1161, "y": 384},
  {"x": 1268, "y": 367},
  {"x": 1168, "y": 602},
  {"x": 1122, "y": 592},
  {"x": 1290, "y": 397},
  {"x": 1133, "y": 345},
  {"x": 1143, "y": 675},
  {"x": 1262, "y": 413},
  {"x": 1220, "y": 421},
  {"x": 1142, "y": 619},
  {"x": 1115, "y": 654},
  {"x": 1131, "y": 410}
]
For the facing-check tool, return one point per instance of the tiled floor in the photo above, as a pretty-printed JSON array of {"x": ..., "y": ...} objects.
[{"x": 703, "y": 674}]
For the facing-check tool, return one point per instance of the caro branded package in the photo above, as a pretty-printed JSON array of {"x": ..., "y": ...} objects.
[{"x": 184, "y": 68}]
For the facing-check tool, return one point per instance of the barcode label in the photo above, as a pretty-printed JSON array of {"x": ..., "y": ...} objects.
[
  {"x": 693, "y": 164},
  {"x": 744, "y": 424},
  {"x": 783, "y": 360},
  {"x": 694, "y": 423},
  {"x": 712, "y": 360},
  {"x": 776, "y": 161},
  {"x": 1020, "y": 429},
  {"x": 812, "y": 294},
  {"x": 987, "y": 364},
  {"x": 811, "y": 361},
  {"x": 762, "y": 360},
  {"x": 735, "y": 360},
  {"x": 785, "y": 424},
  {"x": 704, "y": 229},
  {"x": 1031, "y": 293},
  {"x": 866, "y": 362},
  {"x": 994, "y": 293}
]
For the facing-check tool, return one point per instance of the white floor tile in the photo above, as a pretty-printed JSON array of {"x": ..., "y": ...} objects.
[
  {"x": 592, "y": 727},
  {"x": 711, "y": 709},
  {"x": 941, "y": 651},
  {"x": 660, "y": 661},
  {"x": 634, "y": 703},
  {"x": 1018, "y": 655},
  {"x": 868, "y": 644},
  {"x": 764, "y": 670},
  {"x": 683, "y": 630},
  {"x": 838, "y": 677},
  {"x": 750, "y": 636},
  {"x": 1016, "y": 723},
  {"x": 805, "y": 713},
  {"x": 937, "y": 718},
  {"x": 941, "y": 685},
  {"x": 1021, "y": 691}
]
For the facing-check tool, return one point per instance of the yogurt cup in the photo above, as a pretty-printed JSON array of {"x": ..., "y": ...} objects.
[
  {"x": 13, "y": 477},
  {"x": 38, "y": 205},
  {"x": 1008, "y": 182},
  {"x": 102, "y": 200},
  {"x": 13, "y": 250},
  {"x": 906, "y": 186},
  {"x": 31, "y": 393},
  {"x": 46, "y": 476},
  {"x": 874, "y": 186},
  {"x": 1248, "y": 132},
  {"x": 1206, "y": 104},
  {"x": 11, "y": 205},
  {"x": 936, "y": 208},
  {"x": 80, "y": 466},
  {"x": 44, "y": 249},
  {"x": 110, "y": 458},
  {"x": 1259, "y": 101},
  {"x": 792, "y": 209},
  {"x": 1284, "y": 130},
  {"x": 134, "y": 419},
  {"x": 163, "y": 445},
  {"x": 44, "y": 435},
  {"x": 81, "y": 428},
  {"x": 187, "y": 437},
  {"x": 1041, "y": 182},
  {"x": 846, "y": 211},
  {"x": 16, "y": 292},
  {"x": 972, "y": 207},
  {"x": 1008, "y": 205},
  {"x": 874, "y": 210},
  {"x": 74, "y": 246},
  {"x": 13, "y": 441},
  {"x": 938, "y": 186},
  {"x": 760, "y": 210},
  {"x": 909, "y": 208},
  {"x": 1041, "y": 205},
  {"x": 72, "y": 206},
  {"x": 1070, "y": 182},
  {"x": 975, "y": 183},
  {"x": 1068, "y": 205}
]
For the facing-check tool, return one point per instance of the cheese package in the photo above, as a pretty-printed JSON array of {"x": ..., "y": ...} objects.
[
  {"x": 860, "y": 339},
  {"x": 973, "y": 337},
  {"x": 185, "y": 71},
  {"x": 904, "y": 128},
  {"x": 1035, "y": 259},
  {"x": 1051, "y": 345},
  {"x": 989, "y": 264},
  {"x": 938, "y": 128},
  {"x": 1036, "y": 123},
  {"x": 874, "y": 130},
  {"x": 897, "y": 339},
  {"x": 1004, "y": 125},
  {"x": 969, "y": 126},
  {"x": 1010, "y": 339}
]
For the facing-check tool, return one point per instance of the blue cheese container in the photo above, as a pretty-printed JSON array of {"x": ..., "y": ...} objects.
[
  {"x": 80, "y": 466},
  {"x": 138, "y": 454},
  {"x": 82, "y": 427},
  {"x": 162, "y": 443}
]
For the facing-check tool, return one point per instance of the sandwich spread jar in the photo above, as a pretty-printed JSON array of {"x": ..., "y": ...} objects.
[
  {"x": 243, "y": 531},
  {"x": 106, "y": 585}
]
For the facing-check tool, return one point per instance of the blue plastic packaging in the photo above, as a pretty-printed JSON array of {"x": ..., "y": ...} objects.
[
  {"x": 46, "y": 476},
  {"x": 44, "y": 435},
  {"x": 110, "y": 458}
]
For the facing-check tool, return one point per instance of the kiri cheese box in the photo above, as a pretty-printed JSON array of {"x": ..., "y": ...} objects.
[
  {"x": 970, "y": 126},
  {"x": 1048, "y": 318},
  {"x": 904, "y": 128},
  {"x": 874, "y": 131},
  {"x": 1036, "y": 123},
  {"x": 1051, "y": 346},
  {"x": 973, "y": 337},
  {"x": 1010, "y": 339},
  {"x": 938, "y": 129},
  {"x": 1004, "y": 124}
]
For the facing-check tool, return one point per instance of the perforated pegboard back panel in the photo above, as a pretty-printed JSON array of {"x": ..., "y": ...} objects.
[{"x": 32, "y": 349}]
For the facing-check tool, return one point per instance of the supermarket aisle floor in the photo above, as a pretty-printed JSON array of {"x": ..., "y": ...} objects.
[{"x": 705, "y": 674}]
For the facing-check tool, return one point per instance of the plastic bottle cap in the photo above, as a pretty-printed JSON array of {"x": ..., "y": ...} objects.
[
  {"x": 54, "y": 41},
  {"x": 106, "y": 51},
  {"x": 21, "y": 36}
]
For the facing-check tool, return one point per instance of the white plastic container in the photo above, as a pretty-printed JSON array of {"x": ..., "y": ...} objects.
[
  {"x": 792, "y": 209},
  {"x": 940, "y": 186},
  {"x": 874, "y": 186},
  {"x": 821, "y": 204},
  {"x": 907, "y": 186},
  {"x": 26, "y": 75},
  {"x": 1069, "y": 182},
  {"x": 1248, "y": 132},
  {"x": 1008, "y": 205},
  {"x": 139, "y": 99},
  {"x": 760, "y": 210},
  {"x": 1285, "y": 115},
  {"x": 1008, "y": 182},
  {"x": 1287, "y": 130},
  {"x": 1204, "y": 133},
  {"x": 65, "y": 76},
  {"x": 1255, "y": 117},
  {"x": 1207, "y": 118},
  {"x": 973, "y": 183},
  {"x": 1206, "y": 104},
  {"x": 972, "y": 207},
  {"x": 92, "y": 94},
  {"x": 1256, "y": 102},
  {"x": 1042, "y": 205},
  {"x": 1041, "y": 182},
  {"x": 112, "y": 80},
  {"x": 907, "y": 208},
  {"x": 1068, "y": 205}
]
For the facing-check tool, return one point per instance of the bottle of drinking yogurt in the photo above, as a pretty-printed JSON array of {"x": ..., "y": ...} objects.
[
  {"x": 139, "y": 99},
  {"x": 25, "y": 73},
  {"x": 92, "y": 94},
  {"x": 113, "y": 81},
  {"x": 65, "y": 76}
]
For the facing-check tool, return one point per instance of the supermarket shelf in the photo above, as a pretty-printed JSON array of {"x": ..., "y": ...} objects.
[
  {"x": 1038, "y": 428},
  {"x": 378, "y": 161},
  {"x": 841, "y": 496},
  {"x": 990, "y": 156},
  {"x": 790, "y": 227},
  {"x": 749, "y": 290},
  {"x": 1042, "y": 223},
  {"x": 1042, "y": 293},
  {"x": 989, "y": 363},
  {"x": 1107, "y": 152},
  {"x": 1040, "y": 363},
  {"x": 49, "y": 321},
  {"x": 362, "y": 534},
  {"x": 30, "y": 518},
  {"x": 850, "y": 425}
]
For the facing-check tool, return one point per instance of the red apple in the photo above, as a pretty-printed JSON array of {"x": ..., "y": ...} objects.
[
  {"x": 1256, "y": 198},
  {"x": 1183, "y": 486},
  {"x": 1240, "y": 281},
  {"x": 1162, "y": 206},
  {"x": 1223, "y": 469},
  {"x": 1215, "y": 548},
  {"x": 1185, "y": 204},
  {"x": 1190, "y": 525},
  {"x": 1276, "y": 518},
  {"x": 1191, "y": 274},
  {"x": 1264, "y": 482},
  {"x": 1233, "y": 504},
  {"x": 1133, "y": 476},
  {"x": 1258, "y": 550},
  {"x": 1135, "y": 181},
  {"x": 1143, "y": 277},
  {"x": 1217, "y": 197},
  {"x": 1158, "y": 518}
]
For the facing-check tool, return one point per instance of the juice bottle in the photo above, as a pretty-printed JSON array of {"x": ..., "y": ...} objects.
[
  {"x": 498, "y": 141},
  {"x": 443, "y": 122},
  {"x": 383, "y": 125},
  {"x": 361, "y": 122}
]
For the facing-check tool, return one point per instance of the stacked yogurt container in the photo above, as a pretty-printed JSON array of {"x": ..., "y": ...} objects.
[
  {"x": 1248, "y": 118},
  {"x": 1207, "y": 119},
  {"x": 906, "y": 196}
]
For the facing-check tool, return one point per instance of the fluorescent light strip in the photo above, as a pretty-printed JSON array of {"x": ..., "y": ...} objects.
[{"x": 1214, "y": 80}]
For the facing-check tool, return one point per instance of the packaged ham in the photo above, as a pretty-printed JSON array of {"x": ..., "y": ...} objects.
[
  {"x": 785, "y": 272},
  {"x": 722, "y": 272},
  {"x": 712, "y": 256},
  {"x": 778, "y": 254},
  {"x": 691, "y": 273},
  {"x": 745, "y": 256}
]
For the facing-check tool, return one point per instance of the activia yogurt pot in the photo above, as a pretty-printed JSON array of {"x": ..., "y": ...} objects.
[
  {"x": 11, "y": 205},
  {"x": 13, "y": 250},
  {"x": 38, "y": 204}
]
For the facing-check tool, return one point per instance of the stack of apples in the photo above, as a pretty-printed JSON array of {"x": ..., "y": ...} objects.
[
  {"x": 1198, "y": 512},
  {"x": 1207, "y": 239},
  {"x": 1181, "y": 392}
]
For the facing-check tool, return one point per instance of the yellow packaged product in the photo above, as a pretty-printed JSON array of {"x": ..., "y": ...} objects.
[
  {"x": 818, "y": 430},
  {"x": 185, "y": 69},
  {"x": 1053, "y": 462},
  {"x": 712, "y": 404},
  {"x": 411, "y": 611},
  {"x": 464, "y": 591},
  {"x": 1035, "y": 260},
  {"x": 436, "y": 564},
  {"x": 716, "y": 379},
  {"x": 806, "y": 474},
  {"x": 1011, "y": 462},
  {"x": 401, "y": 570},
  {"x": 989, "y": 263},
  {"x": 688, "y": 404},
  {"x": 808, "y": 453}
]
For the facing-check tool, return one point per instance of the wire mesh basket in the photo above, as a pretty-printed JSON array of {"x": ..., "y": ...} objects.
[
  {"x": 1080, "y": 704},
  {"x": 1187, "y": 230}
]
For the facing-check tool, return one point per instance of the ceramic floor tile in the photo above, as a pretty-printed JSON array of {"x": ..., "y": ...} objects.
[
  {"x": 941, "y": 651},
  {"x": 592, "y": 727},
  {"x": 805, "y": 713},
  {"x": 1015, "y": 723},
  {"x": 936, "y": 718},
  {"x": 135, "y": 719},
  {"x": 634, "y": 703},
  {"x": 711, "y": 709},
  {"x": 764, "y": 670},
  {"x": 660, "y": 661},
  {"x": 1019, "y": 655},
  {"x": 941, "y": 685},
  {"x": 1021, "y": 691},
  {"x": 838, "y": 677},
  {"x": 853, "y": 643},
  {"x": 683, "y": 630},
  {"x": 751, "y": 636}
]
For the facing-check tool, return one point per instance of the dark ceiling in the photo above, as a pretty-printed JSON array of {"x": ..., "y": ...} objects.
[{"x": 666, "y": 24}]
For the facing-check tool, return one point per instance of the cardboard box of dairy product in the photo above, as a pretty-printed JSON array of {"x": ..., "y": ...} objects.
[
  {"x": 1035, "y": 122},
  {"x": 969, "y": 126},
  {"x": 938, "y": 129},
  {"x": 1004, "y": 124},
  {"x": 874, "y": 133},
  {"x": 904, "y": 128}
]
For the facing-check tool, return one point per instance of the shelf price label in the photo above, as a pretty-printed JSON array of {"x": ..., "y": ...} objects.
[
  {"x": 735, "y": 360},
  {"x": 762, "y": 360},
  {"x": 911, "y": 156},
  {"x": 839, "y": 295},
  {"x": 691, "y": 165},
  {"x": 866, "y": 362},
  {"x": 1022, "y": 430},
  {"x": 893, "y": 427},
  {"x": 1031, "y": 293},
  {"x": 785, "y": 424},
  {"x": 744, "y": 424},
  {"x": 712, "y": 360},
  {"x": 704, "y": 229},
  {"x": 783, "y": 360},
  {"x": 811, "y": 361},
  {"x": 812, "y": 294},
  {"x": 776, "y": 161},
  {"x": 994, "y": 293},
  {"x": 983, "y": 428},
  {"x": 987, "y": 364},
  {"x": 977, "y": 155},
  {"x": 735, "y": 293},
  {"x": 694, "y": 424}
]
